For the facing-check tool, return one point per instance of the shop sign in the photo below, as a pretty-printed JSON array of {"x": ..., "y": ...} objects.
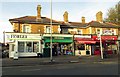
[
  {"x": 18, "y": 36},
  {"x": 10, "y": 37},
  {"x": 109, "y": 37},
  {"x": 58, "y": 37},
  {"x": 107, "y": 32},
  {"x": 82, "y": 36},
  {"x": 105, "y": 37}
]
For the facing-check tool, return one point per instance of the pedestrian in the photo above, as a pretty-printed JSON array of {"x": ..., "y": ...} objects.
[
  {"x": 65, "y": 49},
  {"x": 79, "y": 54},
  {"x": 58, "y": 50},
  {"x": 79, "y": 47}
]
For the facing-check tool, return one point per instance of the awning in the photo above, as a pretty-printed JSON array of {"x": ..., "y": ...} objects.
[
  {"x": 86, "y": 42},
  {"x": 106, "y": 37}
]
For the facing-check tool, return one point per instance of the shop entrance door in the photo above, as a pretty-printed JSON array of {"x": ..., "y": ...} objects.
[{"x": 88, "y": 49}]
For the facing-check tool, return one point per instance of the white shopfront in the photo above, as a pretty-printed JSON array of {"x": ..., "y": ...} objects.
[{"x": 24, "y": 44}]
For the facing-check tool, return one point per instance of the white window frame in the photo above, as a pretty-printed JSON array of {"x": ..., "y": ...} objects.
[
  {"x": 100, "y": 31},
  {"x": 46, "y": 29},
  {"x": 29, "y": 26},
  {"x": 78, "y": 31}
]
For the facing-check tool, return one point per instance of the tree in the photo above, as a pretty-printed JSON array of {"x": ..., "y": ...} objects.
[{"x": 113, "y": 14}]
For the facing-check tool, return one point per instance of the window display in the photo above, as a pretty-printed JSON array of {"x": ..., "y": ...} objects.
[
  {"x": 80, "y": 46},
  {"x": 28, "y": 46},
  {"x": 21, "y": 46},
  {"x": 35, "y": 46}
]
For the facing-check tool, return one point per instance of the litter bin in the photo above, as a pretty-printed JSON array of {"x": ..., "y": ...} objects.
[{"x": 46, "y": 52}]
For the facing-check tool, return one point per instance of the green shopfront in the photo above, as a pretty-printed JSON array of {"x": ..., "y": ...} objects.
[{"x": 62, "y": 44}]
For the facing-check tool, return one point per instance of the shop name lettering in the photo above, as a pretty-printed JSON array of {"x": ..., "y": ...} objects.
[
  {"x": 58, "y": 37},
  {"x": 18, "y": 36}
]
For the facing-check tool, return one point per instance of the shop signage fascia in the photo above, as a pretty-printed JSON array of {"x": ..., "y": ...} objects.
[
  {"x": 10, "y": 37},
  {"x": 82, "y": 36},
  {"x": 59, "y": 39},
  {"x": 106, "y": 37}
]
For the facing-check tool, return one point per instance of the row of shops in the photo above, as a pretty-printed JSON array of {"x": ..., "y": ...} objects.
[{"x": 27, "y": 44}]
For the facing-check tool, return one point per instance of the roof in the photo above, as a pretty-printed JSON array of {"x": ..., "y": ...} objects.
[
  {"x": 102, "y": 25},
  {"x": 32, "y": 19},
  {"x": 73, "y": 24},
  {"x": 45, "y": 20}
]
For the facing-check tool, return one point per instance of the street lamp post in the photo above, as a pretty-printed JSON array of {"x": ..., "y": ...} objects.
[
  {"x": 51, "y": 59},
  {"x": 4, "y": 37},
  {"x": 101, "y": 47}
]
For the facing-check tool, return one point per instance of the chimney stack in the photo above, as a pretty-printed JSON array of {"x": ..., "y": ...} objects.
[
  {"x": 99, "y": 17},
  {"x": 65, "y": 16},
  {"x": 83, "y": 19},
  {"x": 38, "y": 12}
]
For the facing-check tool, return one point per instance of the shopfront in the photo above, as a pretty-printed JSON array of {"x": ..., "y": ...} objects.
[
  {"x": 25, "y": 44},
  {"x": 62, "y": 43},
  {"x": 109, "y": 44},
  {"x": 83, "y": 44}
]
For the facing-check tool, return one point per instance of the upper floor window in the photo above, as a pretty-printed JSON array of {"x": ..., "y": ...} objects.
[
  {"x": 26, "y": 28},
  {"x": 99, "y": 31},
  {"x": 79, "y": 31},
  {"x": 64, "y": 30},
  {"x": 48, "y": 29}
]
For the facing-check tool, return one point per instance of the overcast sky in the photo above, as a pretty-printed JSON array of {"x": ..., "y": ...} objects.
[{"x": 76, "y": 8}]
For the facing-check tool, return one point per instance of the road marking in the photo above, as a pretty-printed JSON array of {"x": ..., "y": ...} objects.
[
  {"x": 63, "y": 67},
  {"x": 106, "y": 62},
  {"x": 31, "y": 70}
]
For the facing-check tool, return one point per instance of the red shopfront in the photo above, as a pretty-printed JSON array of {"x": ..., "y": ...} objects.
[
  {"x": 83, "y": 44},
  {"x": 109, "y": 44}
]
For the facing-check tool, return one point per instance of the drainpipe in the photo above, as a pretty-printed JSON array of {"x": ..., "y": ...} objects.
[{"x": 18, "y": 26}]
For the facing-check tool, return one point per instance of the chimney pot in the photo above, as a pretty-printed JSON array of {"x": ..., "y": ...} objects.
[
  {"x": 65, "y": 16},
  {"x": 99, "y": 17},
  {"x": 39, "y": 12},
  {"x": 83, "y": 19}
]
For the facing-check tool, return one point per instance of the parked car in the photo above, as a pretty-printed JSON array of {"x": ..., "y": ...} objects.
[{"x": 5, "y": 53}]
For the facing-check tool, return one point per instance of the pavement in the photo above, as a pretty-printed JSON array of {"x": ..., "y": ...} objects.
[{"x": 61, "y": 59}]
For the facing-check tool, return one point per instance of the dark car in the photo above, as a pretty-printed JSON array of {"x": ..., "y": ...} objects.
[{"x": 5, "y": 53}]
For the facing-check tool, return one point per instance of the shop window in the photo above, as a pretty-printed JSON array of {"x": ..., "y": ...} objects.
[
  {"x": 35, "y": 46},
  {"x": 80, "y": 47},
  {"x": 29, "y": 47},
  {"x": 21, "y": 46}
]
